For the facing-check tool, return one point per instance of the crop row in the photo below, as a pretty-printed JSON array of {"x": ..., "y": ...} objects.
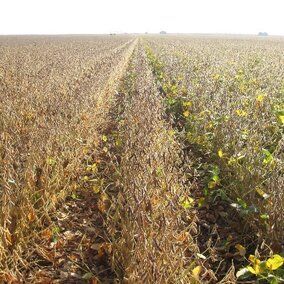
[
  {"x": 227, "y": 97},
  {"x": 54, "y": 95}
]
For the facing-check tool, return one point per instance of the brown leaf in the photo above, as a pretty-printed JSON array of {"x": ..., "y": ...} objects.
[
  {"x": 9, "y": 237},
  {"x": 94, "y": 280},
  {"x": 182, "y": 237},
  {"x": 31, "y": 215},
  {"x": 104, "y": 203},
  {"x": 44, "y": 280},
  {"x": 46, "y": 234},
  {"x": 105, "y": 248},
  {"x": 9, "y": 278}
]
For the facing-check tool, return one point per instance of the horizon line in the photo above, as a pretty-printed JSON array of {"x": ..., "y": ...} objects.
[{"x": 140, "y": 33}]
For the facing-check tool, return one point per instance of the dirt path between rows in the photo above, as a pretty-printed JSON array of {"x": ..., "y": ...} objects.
[{"x": 73, "y": 249}]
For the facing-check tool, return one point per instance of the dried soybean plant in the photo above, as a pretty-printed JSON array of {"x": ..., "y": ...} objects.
[
  {"x": 151, "y": 226},
  {"x": 51, "y": 112}
]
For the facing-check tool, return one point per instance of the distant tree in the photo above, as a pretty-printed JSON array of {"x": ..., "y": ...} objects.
[
  {"x": 263, "y": 34},
  {"x": 163, "y": 32}
]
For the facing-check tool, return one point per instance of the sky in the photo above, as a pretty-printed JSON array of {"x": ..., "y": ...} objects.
[{"x": 132, "y": 16}]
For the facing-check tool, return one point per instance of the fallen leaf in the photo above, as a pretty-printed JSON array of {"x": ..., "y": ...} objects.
[
  {"x": 241, "y": 249},
  {"x": 105, "y": 248},
  {"x": 46, "y": 234}
]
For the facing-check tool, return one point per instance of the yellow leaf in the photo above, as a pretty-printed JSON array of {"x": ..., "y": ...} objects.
[
  {"x": 262, "y": 193},
  {"x": 232, "y": 161},
  {"x": 216, "y": 77},
  {"x": 251, "y": 270},
  {"x": 209, "y": 125},
  {"x": 96, "y": 188},
  {"x": 241, "y": 113},
  {"x": 252, "y": 258},
  {"x": 281, "y": 118},
  {"x": 260, "y": 98},
  {"x": 85, "y": 178},
  {"x": 93, "y": 168},
  {"x": 104, "y": 138},
  {"x": 187, "y": 104},
  {"x": 274, "y": 262},
  {"x": 212, "y": 184},
  {"x": 50, "y": 161},
  {"x": 186, "y": 113},
  {"x": 172, "y": 133},
  {"x": 242, "y": 250},
  {"x": 196, "y": 271},
  {"x": 220, "y": 153},
  {"x": 256, "y": 269},
  {"x": 118, "y": 142},
  {"x": 187, "y": 202}
]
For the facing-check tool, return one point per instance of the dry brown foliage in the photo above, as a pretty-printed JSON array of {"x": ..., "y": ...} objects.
[
  {"x": 151, "y": 231},
  {"x": 54, "y": 97},
  {"x": 60, "y": 114}
]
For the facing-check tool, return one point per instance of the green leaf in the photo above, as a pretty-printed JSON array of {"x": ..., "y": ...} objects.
[
  {"x": 242, "y": 203},
  {"x": 216, "y": 178},
  {"x": 215, "y": 171},
  {"x": 74, "y": 195},
  {"x": 264, "y": 216},
  {"x": 201, "y": 202},
  {"x": 268, "y": 157},
  {"x": 273, "y": 280}
]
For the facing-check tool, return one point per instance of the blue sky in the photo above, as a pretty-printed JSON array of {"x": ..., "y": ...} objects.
[{"x": 105, "y": 16}]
